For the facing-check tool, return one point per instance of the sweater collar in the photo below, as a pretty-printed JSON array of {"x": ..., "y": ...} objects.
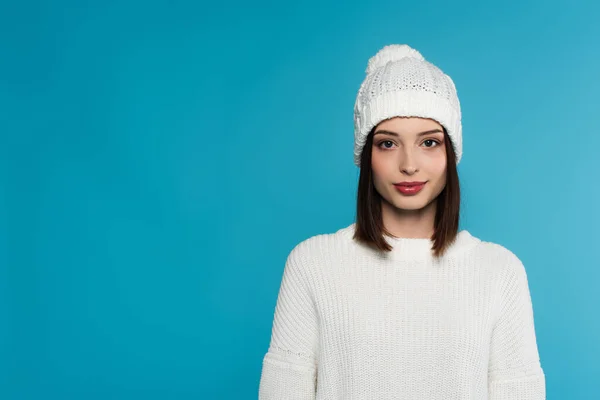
[{"x": 419, "y": 249}]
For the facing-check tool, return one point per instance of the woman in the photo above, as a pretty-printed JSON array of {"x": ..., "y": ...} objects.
[{"x": 401, "y": 304}]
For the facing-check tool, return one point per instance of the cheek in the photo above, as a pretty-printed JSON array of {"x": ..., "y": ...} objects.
[
  {"x": 378, "y": 166},
  {"x": 380, "y": 174},
  {"x": 439, "y": 177},
  {"x": 437, "y": 167}
]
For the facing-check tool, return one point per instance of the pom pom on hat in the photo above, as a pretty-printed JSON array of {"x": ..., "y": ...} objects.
[{"x": 391, "y": 53}]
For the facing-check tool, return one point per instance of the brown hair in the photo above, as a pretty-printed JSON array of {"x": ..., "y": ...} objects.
[{"x": 369, "y": 223}]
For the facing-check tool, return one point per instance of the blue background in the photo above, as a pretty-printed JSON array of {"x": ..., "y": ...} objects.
[{"x": 161, "y": 158}]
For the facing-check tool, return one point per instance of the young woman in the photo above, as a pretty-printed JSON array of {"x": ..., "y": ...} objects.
[{"x": 401, "y": 304}]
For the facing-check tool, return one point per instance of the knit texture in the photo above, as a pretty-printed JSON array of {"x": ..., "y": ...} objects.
[{"x": 354, "y": 323}]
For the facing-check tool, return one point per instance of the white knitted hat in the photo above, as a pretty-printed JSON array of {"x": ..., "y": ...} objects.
[{"x": 400, "y": 82}]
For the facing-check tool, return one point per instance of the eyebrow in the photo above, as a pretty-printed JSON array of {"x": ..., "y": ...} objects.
[{"x": 418, "y": 134}]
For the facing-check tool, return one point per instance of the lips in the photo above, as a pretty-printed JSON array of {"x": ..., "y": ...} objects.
[
  {"x": 415, "y": 183},
  {"x": 409, "y": 188}
]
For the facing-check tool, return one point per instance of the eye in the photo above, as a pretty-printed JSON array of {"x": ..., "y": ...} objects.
[
  {"x": 431, "y": 140},
  {"x": 384, "y": 141}
]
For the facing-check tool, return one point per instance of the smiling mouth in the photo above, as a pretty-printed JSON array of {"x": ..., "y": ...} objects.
[{"x": 411, "y": 188}]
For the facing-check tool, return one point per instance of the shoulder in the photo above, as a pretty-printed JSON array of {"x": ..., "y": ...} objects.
[
  {"x": 502, "y": 262},
  {"x": 321, "y": 245},
  {"x": 314, "y": 253},
  {"x": 306, "y": 258}
]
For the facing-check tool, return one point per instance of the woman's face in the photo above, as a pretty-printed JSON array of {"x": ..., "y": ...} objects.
[{"x": 402, "y": 152}]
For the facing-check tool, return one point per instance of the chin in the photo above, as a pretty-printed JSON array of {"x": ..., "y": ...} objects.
[
  {"x": 410, "y": 207},
  {"x": 416, "y": 202},
  {"x": 410, "y": 204}
]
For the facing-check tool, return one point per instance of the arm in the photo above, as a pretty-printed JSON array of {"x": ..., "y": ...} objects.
[
  {"x": 515, "y": 372},
  {"x": 289, "y": 368}
]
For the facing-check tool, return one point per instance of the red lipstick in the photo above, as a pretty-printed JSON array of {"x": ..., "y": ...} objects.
[{"x": 409, "y": 187}]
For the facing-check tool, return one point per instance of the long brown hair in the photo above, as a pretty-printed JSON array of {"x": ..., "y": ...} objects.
[{"x": 369, "y": 227}]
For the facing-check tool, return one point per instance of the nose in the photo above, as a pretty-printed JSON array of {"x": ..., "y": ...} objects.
[
  {"x": 407, "y": 163},
  {"x": 409, "y": 171}
]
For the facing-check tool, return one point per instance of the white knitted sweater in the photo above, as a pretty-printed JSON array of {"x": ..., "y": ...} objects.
[{"x": 353, "y": 323}]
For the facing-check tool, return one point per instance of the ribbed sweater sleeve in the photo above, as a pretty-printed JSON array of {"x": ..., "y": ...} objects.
[
  {"x": 289, "y": 368},
  {"x": 514, "y": 366}
]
